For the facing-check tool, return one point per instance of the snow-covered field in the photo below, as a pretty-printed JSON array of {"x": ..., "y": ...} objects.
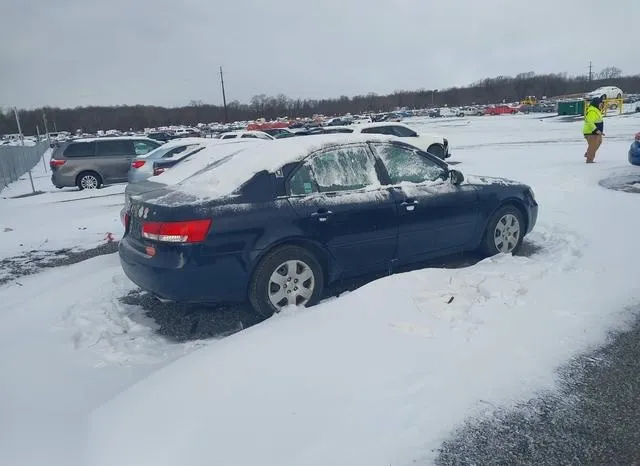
[
  {"x": 378, "y": 376},
  {"x": 57, "y": 218}
]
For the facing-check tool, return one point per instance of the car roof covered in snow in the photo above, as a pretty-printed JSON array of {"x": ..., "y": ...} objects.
[
  {"x": 113, "y": 138},
  {"x": 185, "y": 142},
  {"x": 215, "y": 172}
]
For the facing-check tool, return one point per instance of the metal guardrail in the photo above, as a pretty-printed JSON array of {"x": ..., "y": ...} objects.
[{"x": 15, "y": 161}]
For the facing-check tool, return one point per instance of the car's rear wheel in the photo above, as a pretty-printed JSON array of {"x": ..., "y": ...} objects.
[
  {"x": 88, "y": 180},
  {"x": 504, "y": 232},
  {"x": 437, "y": 150},
  {"x": 288, "y": 275}
]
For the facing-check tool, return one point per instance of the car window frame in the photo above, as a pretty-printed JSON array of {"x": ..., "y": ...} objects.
[
  {"x": 93, "y": 152},
  {"x": 104, "y": 142},
  {"x": 311, "y": 156},
  {"x": 386, "y": 177}
]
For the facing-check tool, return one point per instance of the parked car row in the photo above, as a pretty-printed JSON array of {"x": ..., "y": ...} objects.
[
  {"x": 273, "y": 223},
  {"x": 92, "y": 162}
]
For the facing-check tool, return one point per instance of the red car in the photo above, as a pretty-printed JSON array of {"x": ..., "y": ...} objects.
[{"x": 500, "y": 110}]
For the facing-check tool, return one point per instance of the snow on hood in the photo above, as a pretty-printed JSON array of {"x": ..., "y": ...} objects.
[
  {"x": 486, "y": 180},
  {"x": 222, "y": 171}
]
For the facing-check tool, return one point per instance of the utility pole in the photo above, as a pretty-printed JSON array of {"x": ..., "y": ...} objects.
[
  {"x": 590, "y": 71},
  {"x": 46, "y": 127},
  {"x": 15, "y": 111},
  {"x": 224, "y": 98}
]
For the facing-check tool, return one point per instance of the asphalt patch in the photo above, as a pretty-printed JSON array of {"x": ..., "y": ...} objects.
[
  {"x": 34, "y": 261},
  {"x": 594, "y": 419},
  {"x": 629, "y": 183}
]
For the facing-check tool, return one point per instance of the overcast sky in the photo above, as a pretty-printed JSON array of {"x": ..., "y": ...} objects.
[{"x": 86, "y": 52}]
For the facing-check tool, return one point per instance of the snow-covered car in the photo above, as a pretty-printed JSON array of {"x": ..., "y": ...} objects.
[
  {"x": 142, "y": 167},
  {"x": 246, "y": 135},
  {"x": 634, "y": 151},
  {"x": 606, "y": 92},
  {"x": 471, "y": 111},
  {"x": 433, "y": 143},
  {"x": 184, "y": 166},
  {"x": 314, "y": 211}
]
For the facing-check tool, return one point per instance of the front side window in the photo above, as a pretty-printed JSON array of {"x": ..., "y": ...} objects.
[
  {"x": 406, "y": 165},
  {"x": 228, "y": 136},
  {"x": 249, "y": 135},
  {"x": 344, "y": 169}
]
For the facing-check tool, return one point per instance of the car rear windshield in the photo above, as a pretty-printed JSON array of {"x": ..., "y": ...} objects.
[{"x": 80, "y": 149}]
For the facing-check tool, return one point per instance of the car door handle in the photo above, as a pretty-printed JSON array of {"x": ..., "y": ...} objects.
[{"x": 322, "y": 215}]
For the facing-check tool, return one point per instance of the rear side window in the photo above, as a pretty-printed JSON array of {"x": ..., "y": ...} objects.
[
  {"x": 229, "y": 136},
  {"x": 249, "y": 136},
  {"x": 402, "y": 132},
  {"x": 80, "y": 149},
  {"x": 115, "y": 148},
  {"x": 379, "y": 130},
  {"x": 341, "y": 169}
]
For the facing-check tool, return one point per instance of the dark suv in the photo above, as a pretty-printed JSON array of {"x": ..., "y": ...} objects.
[{"x": 90, "y": 163}]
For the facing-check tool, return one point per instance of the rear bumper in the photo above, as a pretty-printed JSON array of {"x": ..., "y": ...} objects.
[{"x": 184, "y": 274}]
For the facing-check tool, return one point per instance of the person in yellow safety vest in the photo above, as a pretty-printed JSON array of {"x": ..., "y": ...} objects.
[{"x": 593, "y": 128}]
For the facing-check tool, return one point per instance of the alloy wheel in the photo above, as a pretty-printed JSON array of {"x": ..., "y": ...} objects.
[
  {"x": 507, "y": 233},
  {"x": 291, "y": 283}
]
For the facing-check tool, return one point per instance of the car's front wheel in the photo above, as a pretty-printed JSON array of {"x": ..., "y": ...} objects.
[
  {"x": 287, "y": 276},
  {"x": 505, "y": 231}
]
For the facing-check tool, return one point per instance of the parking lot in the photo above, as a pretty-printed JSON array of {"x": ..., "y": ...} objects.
[{"x": 415, "y": 355}]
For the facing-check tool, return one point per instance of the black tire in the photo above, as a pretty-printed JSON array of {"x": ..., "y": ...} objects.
[
  {"x": 82, "y": 178},
  {"x": 260, "y": 282},
  {"x": 619, "y": 96},
  {"x": 437, "y": 150},
  {"x": 603, "y": 97},
  {"x": 488, "y": 246}
]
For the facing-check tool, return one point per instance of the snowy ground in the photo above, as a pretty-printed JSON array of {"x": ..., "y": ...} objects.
[{"x": 382, "y": 375}]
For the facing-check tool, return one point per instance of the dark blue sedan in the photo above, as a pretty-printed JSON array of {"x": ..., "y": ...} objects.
[{"x": 273, "y": 223}]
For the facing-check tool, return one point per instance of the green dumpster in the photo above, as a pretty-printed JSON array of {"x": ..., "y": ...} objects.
[{"x": 573, "y": 107}]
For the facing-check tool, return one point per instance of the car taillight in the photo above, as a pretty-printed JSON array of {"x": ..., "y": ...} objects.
[
  {"x": 56, "y": 163},
  {"x": 137, "y": 163},
  {"x": 192, "y": 231},
  {"x": 158, "y": 171}
]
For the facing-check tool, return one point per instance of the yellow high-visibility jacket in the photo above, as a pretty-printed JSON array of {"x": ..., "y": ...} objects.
[{"x": 592, "y": 120}]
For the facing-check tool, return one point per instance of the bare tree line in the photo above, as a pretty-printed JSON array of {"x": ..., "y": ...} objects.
[{"x": 490, "y": 90}]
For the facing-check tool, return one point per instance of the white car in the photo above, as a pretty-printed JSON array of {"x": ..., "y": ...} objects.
[
  {"x": 246, "y": 135},
  {"x": 606, "y": 92},
  {"x": 432, "y": 143}
]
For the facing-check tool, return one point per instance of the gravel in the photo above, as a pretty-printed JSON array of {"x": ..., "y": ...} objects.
[{"x": 593, "y": 420}]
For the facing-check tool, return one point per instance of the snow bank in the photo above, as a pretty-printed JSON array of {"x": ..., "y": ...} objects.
[{"x": 383, "y": 374}]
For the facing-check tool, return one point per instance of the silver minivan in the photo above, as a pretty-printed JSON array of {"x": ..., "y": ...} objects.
[{"x": 90, "y": 163}]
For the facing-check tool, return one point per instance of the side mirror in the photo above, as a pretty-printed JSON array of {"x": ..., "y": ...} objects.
[{"x": 456, "y": 177}]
